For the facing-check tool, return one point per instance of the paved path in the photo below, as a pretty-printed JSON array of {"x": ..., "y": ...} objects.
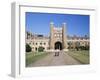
[{"x": 51, "y": 60}]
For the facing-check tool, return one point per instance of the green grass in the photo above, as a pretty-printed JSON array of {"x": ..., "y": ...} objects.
[
  {"x": 31, "y": 57},
  {"x": 82, "y": 56}
]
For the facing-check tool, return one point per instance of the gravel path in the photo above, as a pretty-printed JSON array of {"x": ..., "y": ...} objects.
[{"x": 51, "y": 60}]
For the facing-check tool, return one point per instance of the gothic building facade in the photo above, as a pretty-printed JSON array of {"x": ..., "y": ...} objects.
[{"x": 58, "y": 39}]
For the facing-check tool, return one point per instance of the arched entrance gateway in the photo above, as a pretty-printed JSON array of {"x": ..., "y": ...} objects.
[
  {"x": 58, "y": 39},
  {"x": 58, "y": 45}
]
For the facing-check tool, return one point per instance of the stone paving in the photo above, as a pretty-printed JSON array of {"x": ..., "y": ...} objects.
[{"x": 52, "y": 60}]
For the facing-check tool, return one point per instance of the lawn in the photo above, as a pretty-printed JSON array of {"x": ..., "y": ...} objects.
[
  {"x": 31, "y": 57},
  {"x": 82, "y": 56}
]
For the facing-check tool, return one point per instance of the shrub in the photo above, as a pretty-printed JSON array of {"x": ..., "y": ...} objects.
[
  {"x": 84, "y": 47},
  {"x": 28, "y": 48},
  {"x": 77, "y": 48},
  {"x": 41, "y": 49}
]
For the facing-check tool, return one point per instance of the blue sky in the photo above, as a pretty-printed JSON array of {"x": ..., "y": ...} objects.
[{"x": 40, "y": 23}]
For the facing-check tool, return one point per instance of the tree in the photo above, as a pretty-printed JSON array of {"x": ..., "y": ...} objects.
[{"x": 28, "y": 48}]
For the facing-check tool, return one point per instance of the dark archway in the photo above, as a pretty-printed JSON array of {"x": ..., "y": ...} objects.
[{"x": 58, "y": 45}]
